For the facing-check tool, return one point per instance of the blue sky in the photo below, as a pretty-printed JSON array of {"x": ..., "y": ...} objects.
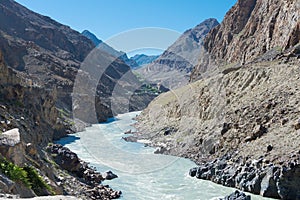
[{"x": 106, "y": 18}]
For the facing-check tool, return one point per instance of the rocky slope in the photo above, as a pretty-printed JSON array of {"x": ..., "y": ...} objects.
[
  {"x": 240, "y": 121},
  {"x": 51, "y": 54},
  {"x": 173, "y": 67},
  {"x": 29, "y": 121},
  {"x": 251, "y": 29}
]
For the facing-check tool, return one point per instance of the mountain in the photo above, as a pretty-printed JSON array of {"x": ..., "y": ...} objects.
[
  {"x": 173, "y": 67},
  {"x": 108, "y": 49},
  {"x": 239, "y": 116},
  {"x": 142, "y": 59},
  {"x": 52, "y": 53},
  {"x": 53, "y": 81},
  {"x": 253, "y": 35},
  {"x": 92, "y": 37},
  {"x": 29, "y": 121}
]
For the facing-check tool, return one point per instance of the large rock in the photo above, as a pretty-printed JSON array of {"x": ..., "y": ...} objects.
[
  {"x": 268, "y": 184},
  {"x": 64, "y": 157},
  {"x": 237, "y": 195},
  {"x": 109, "y": 175},
  {"x": 11, "y": 146},
  {"x": 289, "y": 183},
  {"x": 6, "y": 184},
  {"x": 10, "y": 187},
  {"x": 274, "y": 181}
]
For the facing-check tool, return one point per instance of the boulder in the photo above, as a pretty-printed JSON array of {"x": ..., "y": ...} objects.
[
  {"x": 289, "y": 183},
  {"x": 11, "y": 146},
  {"x": 193, "y": 172},
  {"x": 269, "y": 148},
  {"x": 109, "y": 175},
  {"x": 6, "y": 184},
  {"x": 237, "y": 195},
  {"x": 268, "y": 187},
  {"x": 297, "y": 125},
  {"x": 30, "y": 149},
  {"x": 128, "y": 131},
  {"x": 64, "y": 157},
  {"x": 130, "y": 139}
]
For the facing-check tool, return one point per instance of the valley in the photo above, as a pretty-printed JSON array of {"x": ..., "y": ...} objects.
[{"x": 217, "y": 111}]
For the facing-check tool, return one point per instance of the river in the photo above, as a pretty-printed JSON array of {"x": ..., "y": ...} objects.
[{"x": 142, "y": 174}]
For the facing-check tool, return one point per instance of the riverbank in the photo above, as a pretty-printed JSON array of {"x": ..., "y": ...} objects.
[
  {"x": 84, "y": 181},
  {"x": 240, "y": 126},
  {"x": 140, "y": 171}
]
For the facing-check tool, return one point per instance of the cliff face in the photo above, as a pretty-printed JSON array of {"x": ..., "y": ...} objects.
[
  {"x": 240, "y": 121},
  {"x": 29, "y": 121},
  {"x": 251, "y": 29},
  {"x": 29, "y": 108},
  {"x": 173, "y": 67},
  {"x": 47, "y": 52},
  {"x": 50, "y": 54}
]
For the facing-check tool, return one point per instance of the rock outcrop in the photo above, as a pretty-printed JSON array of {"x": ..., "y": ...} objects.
[
  {"x": 256, "y": 176},
  {"x": 89, "y": 177},
  {"x": 28, "y": 107},
  {"x": 244, "y": 104},
  {"x": 172, "y": 69},
  {"x": 251, "y": 29}
]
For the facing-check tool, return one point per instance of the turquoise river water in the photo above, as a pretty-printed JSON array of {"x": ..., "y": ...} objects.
[{"x": 142, "y": 174}]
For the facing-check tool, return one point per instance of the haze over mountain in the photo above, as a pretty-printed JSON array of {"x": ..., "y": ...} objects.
[
  {"x": 134, "y": 61},
  {"x": 108, "y": 49},
  {"x": 173, "y": 67},
  {"x": 142, "y": 59}
]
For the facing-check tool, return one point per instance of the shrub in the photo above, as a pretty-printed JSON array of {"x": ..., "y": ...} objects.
[
  {"x": 26, "y": 175},
  {"x": 14, "y": 172},
  {"x": 37, "y": 183}
]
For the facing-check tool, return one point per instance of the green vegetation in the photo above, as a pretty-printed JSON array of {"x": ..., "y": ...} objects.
[
  {"x": 38, "y": 185},
  {"x": 63, "y": 113},
  {"x": 148, "y": 88},
  {"x": 14, "y": 172},
  {"x": 26, "y": 175}
]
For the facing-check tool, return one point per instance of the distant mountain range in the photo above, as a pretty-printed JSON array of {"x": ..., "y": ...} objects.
[
  {"x": 173, "y": 67},
  {"x": 134, "y": 62},
  {"x": 142, "y": 59}
]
